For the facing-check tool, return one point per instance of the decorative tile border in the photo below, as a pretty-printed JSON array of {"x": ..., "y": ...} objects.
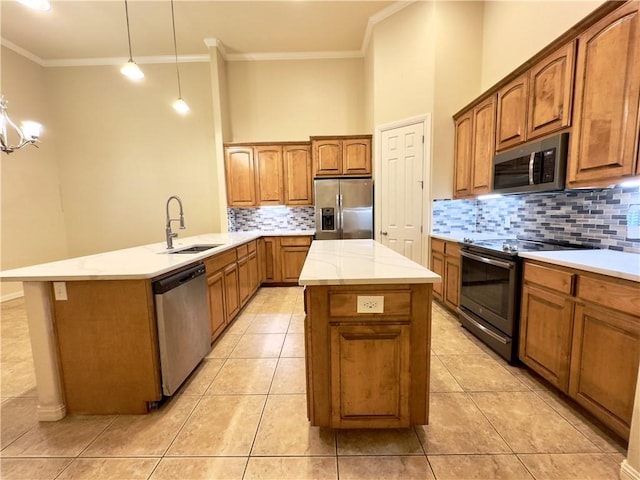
[
  {"x": 590, "y": 217},
  {"x": 271, "y": 218}
]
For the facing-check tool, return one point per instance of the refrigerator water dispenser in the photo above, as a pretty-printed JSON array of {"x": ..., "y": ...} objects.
[{"x": 328, "y": 219}]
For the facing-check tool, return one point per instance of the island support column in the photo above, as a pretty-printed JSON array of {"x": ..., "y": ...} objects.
[{"x": 51, "y": 406}]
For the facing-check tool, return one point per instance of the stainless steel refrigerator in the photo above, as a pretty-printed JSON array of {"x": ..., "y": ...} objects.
[{"x": 344, "y": 208}]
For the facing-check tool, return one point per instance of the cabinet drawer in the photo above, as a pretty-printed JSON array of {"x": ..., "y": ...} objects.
[
  {"x": 251, "y": 246},
  {"x": 243, "y": 251},
  {"x": 622, "y": 296},
  {"x": 295, "y": 241},
  {"x": 437, "y": 245},
  {"x": 548, "y": 277},
  {"x": 395, "y": 304},
  {"x": 452, "y": 249},
  {"x": 218, "y": 262}
]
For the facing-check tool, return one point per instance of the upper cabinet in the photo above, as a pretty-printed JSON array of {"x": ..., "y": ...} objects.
[
  {"x": 605, "y": 125},
  {"x": 341, "y": 156},
  {"x": 241, "y": 188},
  {"x": 512, "y": 113},
  {"x": 474, "y": 149},
  {"x": 297, "y": 175},
  {"x": 269, "y": 186}
]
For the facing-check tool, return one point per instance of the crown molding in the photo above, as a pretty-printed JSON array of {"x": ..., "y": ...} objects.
[
  {"x": 257, "y": 57},
  {"x": 21, "y": 51},
  {"x": 379, "y": 17},
  {"x": 96, "y": 62}
]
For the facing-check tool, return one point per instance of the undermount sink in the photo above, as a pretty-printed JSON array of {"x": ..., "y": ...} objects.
[{"x": 196, "y": 248}]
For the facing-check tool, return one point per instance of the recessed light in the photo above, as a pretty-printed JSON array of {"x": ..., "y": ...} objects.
[{"x": 42, "y": 5}]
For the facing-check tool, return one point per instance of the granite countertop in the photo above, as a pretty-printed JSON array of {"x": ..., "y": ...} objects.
[
  {"x": 607, "y": 262},
  {"x": 147, "y": 261},
  {"x": 360, "y": 262}
]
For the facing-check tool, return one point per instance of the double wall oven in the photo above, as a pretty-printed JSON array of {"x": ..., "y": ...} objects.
[{"x": 490, "y": 290}]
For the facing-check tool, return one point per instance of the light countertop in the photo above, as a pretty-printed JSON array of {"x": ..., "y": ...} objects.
[
  {"x": 147, "y": 261},
  {"x": 360, "y": 262},
  {"x": 459, "y": 236},
  {"x": 607, "y": 262}
]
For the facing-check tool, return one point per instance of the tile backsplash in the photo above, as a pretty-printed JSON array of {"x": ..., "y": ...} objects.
[
  {"x": 271, "y": 218},
  {"x": 592, "y": 217}
]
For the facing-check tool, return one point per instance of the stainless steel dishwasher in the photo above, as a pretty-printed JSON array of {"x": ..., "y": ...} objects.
[{"x": 184, "y": 329}]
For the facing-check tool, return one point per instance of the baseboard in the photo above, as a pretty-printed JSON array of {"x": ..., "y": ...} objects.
[
  {"x": 627, "y": 472},
  {"x": 51, "y": 414},
  {"x": 11, "y": 296}
]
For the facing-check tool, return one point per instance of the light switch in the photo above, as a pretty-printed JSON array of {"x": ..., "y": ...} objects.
[
  {"x": 370, "y": 304},
  {"x": 60, "y": 290}
]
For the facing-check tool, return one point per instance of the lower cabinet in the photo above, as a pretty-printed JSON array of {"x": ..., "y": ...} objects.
[
  {"x": 222, "y": 280},
  {"x": 445, "y": 261},
  {"x": 581, "y": 332},
  {"x": 284, "y": 258},
  {"x": 217, "y": 309}
]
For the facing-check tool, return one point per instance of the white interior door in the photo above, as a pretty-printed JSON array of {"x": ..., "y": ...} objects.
[{"x": 401, "y": 184}]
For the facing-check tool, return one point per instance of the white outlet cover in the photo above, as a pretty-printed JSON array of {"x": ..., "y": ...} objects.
[
  {"x": 370, "y": 304},
  {"x": 60, "y": 290}
]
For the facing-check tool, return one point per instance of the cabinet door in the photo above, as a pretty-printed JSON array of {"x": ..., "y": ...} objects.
[
  {"x": 437, "y": 266},
  {"x": 607, "y": 93},
  {"x": 240, "y": 174},
  {"x": 327, "y": 157},
  {"x": 484, "y": 131},
  {"x": 216, "y": 304},
  {"x": 512, "y": 113},
  {"x": 604, "y": 366},
  {"x": 244, "y": 281},
  {"x": 370, "y": 375},
  {"x": 292, "y": 260},
  {"x": 356, "y": 156},
  {"x": 271, "y": 270},
  {"x": 254, "y": 279},
  {"x": 550, "y": 93},
  {"x": 231, "y": 295},
  {"x": 297, "y": 175},
  {"x": 546, "y": 321},
  {"x": 462, "y": 156},
  {"x": 269, "y": 184},
  {"x": 261, "y": 254},
  {"x": 452, "y": 282}
]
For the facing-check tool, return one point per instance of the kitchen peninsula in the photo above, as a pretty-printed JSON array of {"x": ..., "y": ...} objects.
[
  {"x": 367, "y": 336},
  {"x": 92, "y": 319}
]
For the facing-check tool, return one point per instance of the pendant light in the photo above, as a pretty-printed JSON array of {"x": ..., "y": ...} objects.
[
  {"x": 130, "y": 69},
  {"x": 26, "y": 134},
  {"x": 179, "y": 105}
]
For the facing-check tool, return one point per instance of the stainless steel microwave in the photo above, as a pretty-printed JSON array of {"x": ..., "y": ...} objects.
[{"x": 534, "y": 167}]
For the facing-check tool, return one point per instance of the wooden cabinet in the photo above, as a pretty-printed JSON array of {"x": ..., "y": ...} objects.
[
  {"x": 240, "y": 175},
  {"x": 607, "y": 93},
  {"x": 247, "y": 271},
  {"x": 270, "y": 261},
  {"x": 232, "y": 292},
  {"x": 269, "y": 175},
  {"x": 221, "y": 286},
  {"x": 284, "y": 258},
  {"x": 341, "y": 156},
  {"x": 511, "y": 123},
  {"x": 581, "y": 331},
  {"x": 367, "y": 370},
  {"x": 298, "y": 175},
  {"x": 217, "y": 307},
  {"x": 445, "y": 261},
  {"x": 474, "y": 149}
]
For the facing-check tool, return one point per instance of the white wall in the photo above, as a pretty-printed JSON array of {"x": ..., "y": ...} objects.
[
  {"x": 516, "y": 31},
  {"x": 31, "y": 217}
]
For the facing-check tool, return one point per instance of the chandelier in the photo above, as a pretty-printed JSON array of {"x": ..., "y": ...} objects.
[{"x": 27, "y": 133}]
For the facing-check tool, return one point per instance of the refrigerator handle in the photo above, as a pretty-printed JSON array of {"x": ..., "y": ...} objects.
[{"x": 339, "y": 215}]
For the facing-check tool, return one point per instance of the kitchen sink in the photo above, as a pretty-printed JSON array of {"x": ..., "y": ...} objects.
[{"x": 196, "y": 248}]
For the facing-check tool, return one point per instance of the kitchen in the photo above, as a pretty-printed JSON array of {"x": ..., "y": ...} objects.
[{"x": 100, "y": 187}]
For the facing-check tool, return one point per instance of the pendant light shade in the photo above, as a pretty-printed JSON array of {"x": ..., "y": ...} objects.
[
  {"x": 130, "y": 69},
  {"x": 179, "y": 105}
]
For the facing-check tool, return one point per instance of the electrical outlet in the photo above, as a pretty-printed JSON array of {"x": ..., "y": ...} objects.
[
  {"x": 370, "y": 304},
  {"x": 60, "y": 290}
]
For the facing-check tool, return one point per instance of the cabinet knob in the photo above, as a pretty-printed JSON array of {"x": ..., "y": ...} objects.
[{"x": 383, "y": 233}]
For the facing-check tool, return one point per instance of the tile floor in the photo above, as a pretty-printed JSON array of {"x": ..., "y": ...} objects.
[{"x": 242, "y": 415}]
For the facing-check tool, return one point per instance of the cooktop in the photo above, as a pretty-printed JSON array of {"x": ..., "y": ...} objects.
[{"x": 511, "y": 246}]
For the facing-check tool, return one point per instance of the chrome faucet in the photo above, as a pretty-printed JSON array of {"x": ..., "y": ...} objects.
[{"x": 170, "y": 234}]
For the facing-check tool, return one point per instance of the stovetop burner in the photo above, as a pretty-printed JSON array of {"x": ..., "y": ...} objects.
[{"x": 511, "y": 246}]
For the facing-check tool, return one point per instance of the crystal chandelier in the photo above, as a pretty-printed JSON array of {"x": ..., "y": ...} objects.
[{"x": 27, "y": 133}]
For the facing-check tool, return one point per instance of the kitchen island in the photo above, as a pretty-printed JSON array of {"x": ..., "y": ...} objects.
[{"x": 367, "y": 336}]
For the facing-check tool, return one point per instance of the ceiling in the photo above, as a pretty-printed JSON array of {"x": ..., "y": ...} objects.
[{"x": 95, "y": 30}]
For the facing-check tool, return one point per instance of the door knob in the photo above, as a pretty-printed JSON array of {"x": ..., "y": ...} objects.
[{"x": 383, "y": 233}]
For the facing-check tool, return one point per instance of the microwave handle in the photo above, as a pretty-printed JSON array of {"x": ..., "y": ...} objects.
[{"x": 532, "y": 159}]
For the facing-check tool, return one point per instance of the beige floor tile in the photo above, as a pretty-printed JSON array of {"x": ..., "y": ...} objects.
[
  {"x": 588, "y": 466},
  {"x": 479, "y": 373},
  {"x": 440, "y": 380},
  {"x": 289, "y": 377},
  {"x": 529, "y": 425},
  {"x": 17, "y": 415},
  {"x": 17, "y": 379},
  {"x": 219, "y": 468},
  {"x": 240, "y": 323},
  {"x": 244, "y": 376},
  {"x": 224, "y": 345},
  {"x": 143, "y": 435},
  {"x": 526, "y": 376},
  {"x": 269, "y": 323},
  {"x": 109, "y": 469},
  {"x": 222, "y": 425},
  {"x": 32, "y": 468},
  {"x": 456, "y": 425},
  {"x": 446, "y": 342},
  {"x": 378, "y": 442},
  {"x": 297, "y": 323},
  {"x": 264, "y": 345},
  {"x": 293, "y": 345},
  {"x": 478, "y": 467},
  {"x": 15, "y": 350},
  {"x": 291, "y": 468},
  {"x": 65, "y": 438},
  {"x": 384, "y": 468},
  {"x": 201, "y": 378},
  {"x": 285, "y": 430}
]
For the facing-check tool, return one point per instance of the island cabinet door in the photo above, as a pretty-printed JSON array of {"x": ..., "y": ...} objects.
[{"x": 370, "y": 376}]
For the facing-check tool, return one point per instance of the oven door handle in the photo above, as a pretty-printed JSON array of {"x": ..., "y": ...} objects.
[
  {"x": 490, "y": 261},
  {"x": 493, "y": 335}
]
